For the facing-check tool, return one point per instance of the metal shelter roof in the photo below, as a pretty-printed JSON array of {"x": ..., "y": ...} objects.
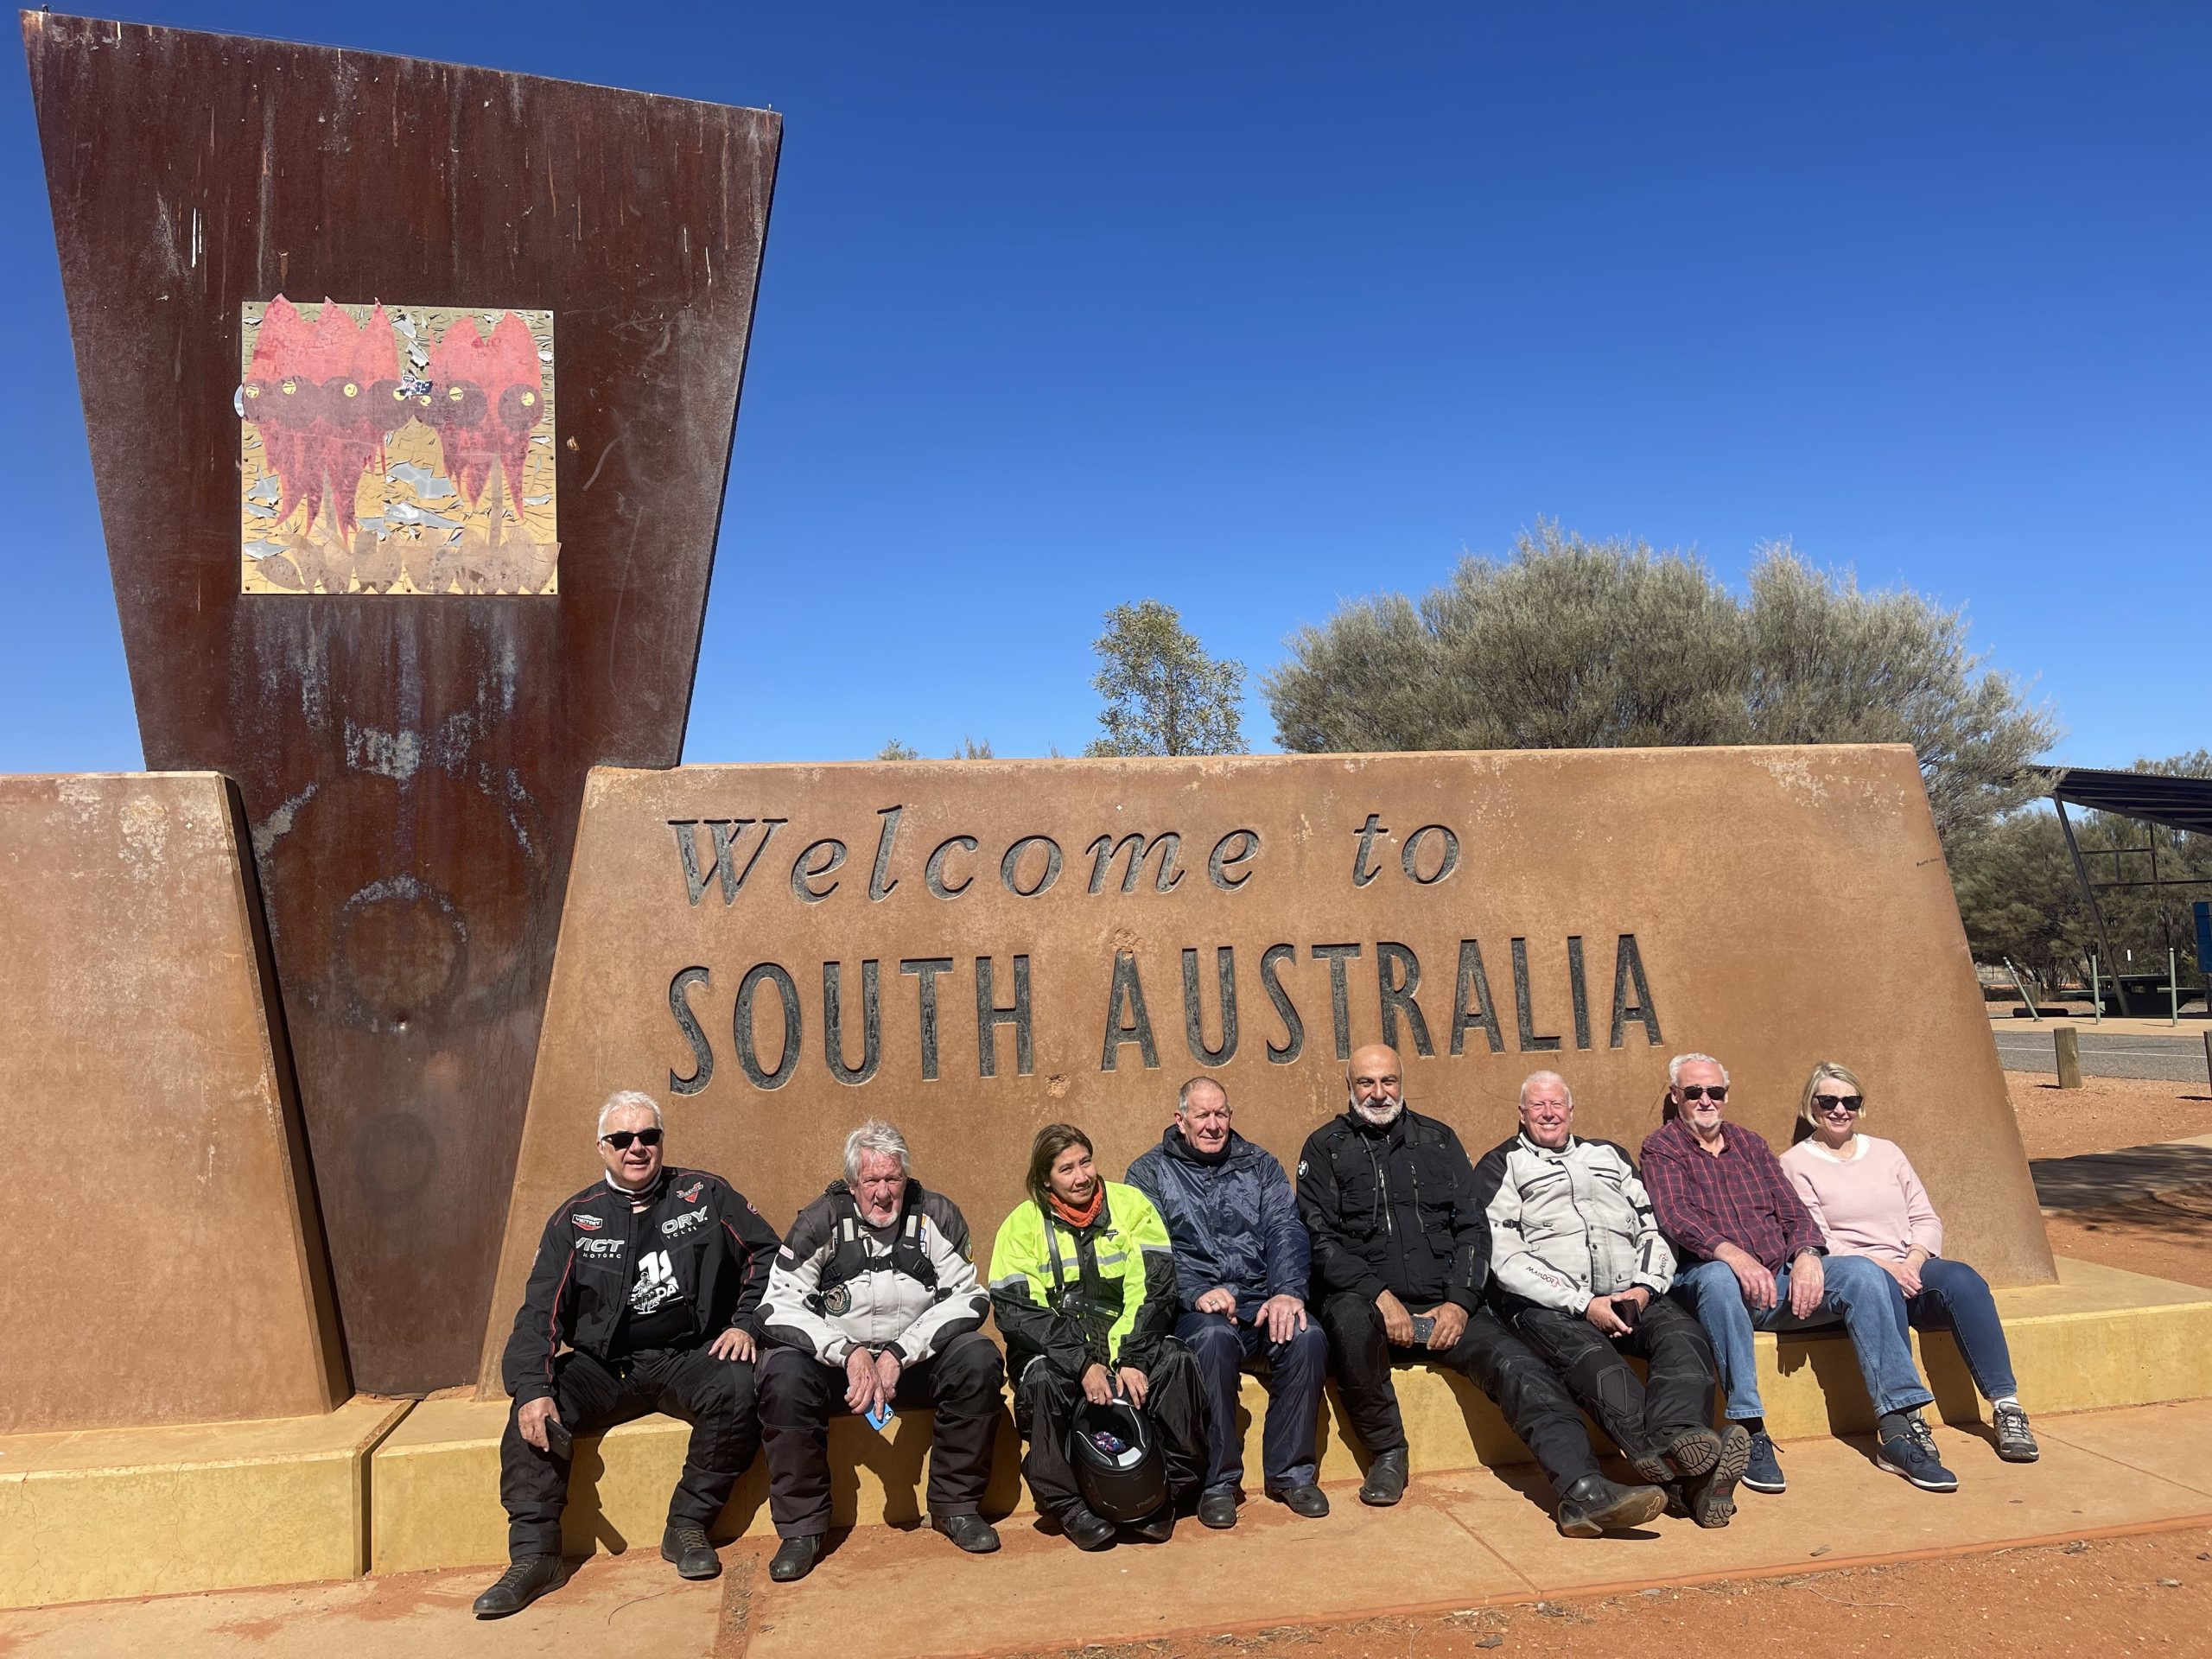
[{"x": 2154, "y": 798}]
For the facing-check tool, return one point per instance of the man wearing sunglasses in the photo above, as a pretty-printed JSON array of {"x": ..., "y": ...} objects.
[
  {"x": 650, "y": 1279},
  {"x": 1753, "y": 1259}
]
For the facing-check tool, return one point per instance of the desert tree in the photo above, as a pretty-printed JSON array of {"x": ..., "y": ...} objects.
[
  {"x": 1163, "y": 694},
  {"x": 1574, "y": 644}
]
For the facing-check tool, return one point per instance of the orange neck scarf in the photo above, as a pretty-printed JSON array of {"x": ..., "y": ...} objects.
[{"x": 1082, "y": 1218}]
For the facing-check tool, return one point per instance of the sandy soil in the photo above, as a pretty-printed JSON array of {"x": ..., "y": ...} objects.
[
  {"x": 2102, "y": 1115},
  {"x": 2141, "y": 1595}
]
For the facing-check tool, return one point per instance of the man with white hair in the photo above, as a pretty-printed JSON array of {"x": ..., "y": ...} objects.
[
  {"x": 1754, "y": 1259},
  {"x": 1579, "y": 1268},
  {"x": 651, "y": 1279},
  {"x": 874, "y": 1303}
]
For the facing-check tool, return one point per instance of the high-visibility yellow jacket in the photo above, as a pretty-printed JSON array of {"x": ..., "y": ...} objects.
[{"x": 1078, "y": 1296}]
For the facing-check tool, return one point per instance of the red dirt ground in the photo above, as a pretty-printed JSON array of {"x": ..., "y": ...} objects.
[{"x": 2152, "y": 1594}]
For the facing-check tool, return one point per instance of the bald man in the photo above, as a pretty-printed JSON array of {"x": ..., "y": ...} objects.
[{"x": 1400, "y": 1250}]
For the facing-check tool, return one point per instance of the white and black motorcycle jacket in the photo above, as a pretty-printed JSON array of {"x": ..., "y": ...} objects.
[
  {"x": 836, "y": 1287},
  {"x": 1569, "y": 1226}
]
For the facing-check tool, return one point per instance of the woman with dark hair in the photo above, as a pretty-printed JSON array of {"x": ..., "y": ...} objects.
[
  {"x": 1868, "y": 1201},
  {"x": 1083, "y": 1285}
]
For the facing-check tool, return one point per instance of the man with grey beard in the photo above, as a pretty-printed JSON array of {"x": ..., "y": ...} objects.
[{"x": 1400, "y": 1250}]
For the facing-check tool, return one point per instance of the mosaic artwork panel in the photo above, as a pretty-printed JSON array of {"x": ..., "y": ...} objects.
[{"x": 395, "y": 450}]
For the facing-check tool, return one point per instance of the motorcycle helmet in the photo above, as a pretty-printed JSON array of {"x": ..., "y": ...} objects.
[{"x": 1118, "y": 1460}]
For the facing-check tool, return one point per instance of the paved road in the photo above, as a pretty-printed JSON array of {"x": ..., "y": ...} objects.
[{"x": 2174, "y": 1060}]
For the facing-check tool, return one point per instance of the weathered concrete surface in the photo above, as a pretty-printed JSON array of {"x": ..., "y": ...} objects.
[
  {"x": 93, "y": 1513},
  {"x": 168, "y": 1259},
  {"x": 1779, "y": 905},
  {"x": 1460, "y": 1541},
  {"x": 627, "y": 1604},
  {"x": 411, "y": 766},
  {"x": 1472, "y": 1540}
]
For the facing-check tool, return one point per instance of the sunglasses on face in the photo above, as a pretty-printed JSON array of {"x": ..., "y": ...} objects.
[
  {"x": 1831, "y": 1103},
  {"x": 621, "y": 1139},
  {"x": 1716, "y": 1094}
]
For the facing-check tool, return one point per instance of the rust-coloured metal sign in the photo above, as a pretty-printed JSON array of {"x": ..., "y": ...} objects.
[{"x": 350, "y": 603}]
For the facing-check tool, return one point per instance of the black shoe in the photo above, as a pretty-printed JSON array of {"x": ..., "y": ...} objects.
[
  {"x": 1308, "y": 1500},
  {"x": 1689, "y": 1454},
  {"x": 1217, "y": 1508},
  {"x": 520, "y": 1585},
  {"x": 795, "y": 1558},
  {"x": 694, "y": 1556},
  {"x": 1594, "y": 1505},
  {"x": 1086, "y": 1530},
  {"x": 1678, "y": 1499},
  {"x": 1158, "y": 1527},
  {"x": 1713, "y": 1495},
  {"x": 1386, "y": 1479},
  {"x": 969, "y": 1532}
]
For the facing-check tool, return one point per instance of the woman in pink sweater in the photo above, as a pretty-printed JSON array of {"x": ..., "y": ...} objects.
[{"x": 1867, "y": 1201}]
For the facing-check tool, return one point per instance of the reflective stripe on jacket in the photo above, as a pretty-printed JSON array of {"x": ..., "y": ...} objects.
[{"x": 1078, "y": 1296}]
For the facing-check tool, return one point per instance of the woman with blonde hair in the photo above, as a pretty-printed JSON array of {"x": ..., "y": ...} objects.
[{"x": 1868, "y": 1201}]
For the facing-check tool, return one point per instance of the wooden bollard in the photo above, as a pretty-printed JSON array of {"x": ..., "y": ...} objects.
[{"x": 2069, "y": 1056}]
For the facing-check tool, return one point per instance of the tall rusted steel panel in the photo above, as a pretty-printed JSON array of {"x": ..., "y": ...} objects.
[{"x": 411, "y": 762}]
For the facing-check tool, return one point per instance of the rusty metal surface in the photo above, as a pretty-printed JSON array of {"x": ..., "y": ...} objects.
[{"x": 411, "y": 768}]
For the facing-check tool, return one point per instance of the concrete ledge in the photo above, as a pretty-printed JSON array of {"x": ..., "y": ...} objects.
[
  {"x": 90, "y": 1514},
  {"x": 2099, "y": 1338},
  {"x": 433, "y": 1495}
]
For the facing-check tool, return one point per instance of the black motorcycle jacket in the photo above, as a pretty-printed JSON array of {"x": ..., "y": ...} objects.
[
  {"x": 699, "y": 1234},
  {"x": 1393, "y": 1209}
]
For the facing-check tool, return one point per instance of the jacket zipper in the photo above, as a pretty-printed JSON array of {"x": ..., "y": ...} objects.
[{"x": 1382, "y": 1168}]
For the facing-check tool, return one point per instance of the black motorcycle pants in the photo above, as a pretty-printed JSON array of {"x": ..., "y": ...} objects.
[
  {"x": 714, "y": 1396},
  {"x": 1535, "y": 1404},
  {"x": 1642, "y": 1417},
  {"x": 964, "y": 1386}
]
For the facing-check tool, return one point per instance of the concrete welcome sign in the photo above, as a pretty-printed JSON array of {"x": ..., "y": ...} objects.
[{"x": 973, "y": 949}]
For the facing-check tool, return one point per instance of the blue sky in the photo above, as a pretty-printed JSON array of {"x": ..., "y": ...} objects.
[{"x": 1256, "y": 309}]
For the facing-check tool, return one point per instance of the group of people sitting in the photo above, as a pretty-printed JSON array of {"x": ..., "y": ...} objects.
[{"x": 1130, "y": 1311}]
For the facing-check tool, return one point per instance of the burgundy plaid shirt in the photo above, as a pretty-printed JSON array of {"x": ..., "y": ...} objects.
[{"x": 1741, "y": 1198}]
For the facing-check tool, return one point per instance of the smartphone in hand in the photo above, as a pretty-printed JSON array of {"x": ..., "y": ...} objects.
[
  {"x": 1424, "y": 1327},
  {"x": 558, "y": 1440}
]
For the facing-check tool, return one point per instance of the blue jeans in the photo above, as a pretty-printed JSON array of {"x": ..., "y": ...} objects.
[
  {"x": 1955, "y": 1298},
  {"x": 1859, "y": 1293},
  {"x": 1293, "y": 1372}
]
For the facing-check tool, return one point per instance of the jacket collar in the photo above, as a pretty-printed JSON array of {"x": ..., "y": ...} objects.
[
  {"x": 647, "y": 1196},
  {"x": 909, "y": 1201},
  {"x": 1573, "y": 1140},
  {"x": 1172, "y": 1145}
]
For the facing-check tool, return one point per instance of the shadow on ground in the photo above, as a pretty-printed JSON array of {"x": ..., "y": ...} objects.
[{"x": 2174, "y": 1180}]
